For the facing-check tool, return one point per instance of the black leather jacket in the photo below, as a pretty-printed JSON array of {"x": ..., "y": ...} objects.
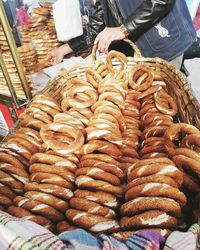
[{"x": 143, "y": 18}]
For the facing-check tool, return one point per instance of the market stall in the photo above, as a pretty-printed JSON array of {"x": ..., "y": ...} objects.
[{"x": 110, "y": 146}]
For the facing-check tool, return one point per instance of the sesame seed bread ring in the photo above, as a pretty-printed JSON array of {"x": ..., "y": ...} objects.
[
  {"x": 92, "y": 223},
  {"x": 29, "y": 122},
  {"x": 17, "y": 173},
  {"x": 153, "y": 155},
  {"x": 158, "y": 169},
  {"x": 95, "y": 120},
  {"x": 5, "y": 201},
  {"x": 114, "y": 97},
  {"x": 23, "y": 213},
  {"x": 191, "y": 183},
  {"x": 93, "y": 77},
  {"x": 171, "y": 108},
  {"x": 45, "y": 100},
  {"x": 123, "y": 235},
  {"x": 157, "y": 190},
  {"x": 47, "y": 131},
  {"x": 98, "y": 174},
  {"x": 105, "y": 117},
  {"x": 188, "y": 164},
  {"x": 38, "y": 208},
  {"x": 148, "y": 108},
  {"x": 52, "y": 159},
  {"x": 149, "y": 91},
  {"x": 47, "y": 178},
  {"x": 185, "y": 152},
  {"x": 172, "y": 133},
  {"x": 30, "y": 132},
  {"x": 61, "y": 171},
  {"x": 152, "y": 149},
  {"x": 152, "y": 178},
  {"x": 24, "y": 143},
  {"x": 84, "y": 181},
  {"x": 154, "y": 131},
  {"x": 47, "y": 109},
  {"x": 73, "y": 96},
  {"x": 140, "y": 78},
  {"x": 8, "y": 180},
  {"x": 151, "y": 140},
  {"x": 191, "y": 141},
  {"x": 8, "y": 192},
  {"x": 141, "y": 204},
  {"x": 63, "y": 226},
  {"x": 101, "y": 146},
  {"x": 144, "y": 162},
  {"x": 48, "y": 199},
  {"x": 101, "y": 157},
  {"x": 58, "y": 191},
  {"x": 91, "y": 207},
  {"x": 107, "y": 167},
  {"x": 118, "y": 55},
  {"x": 16, "y": 147},
  {"x": 10, "y": 159},
  {"x": 70, "y": 157},
  {"x": 129, "y": 151},
  {"x": 103, "y": 198}
]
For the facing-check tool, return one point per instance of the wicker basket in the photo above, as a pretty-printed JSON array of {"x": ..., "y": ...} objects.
[{"x": 178, "y": 86}]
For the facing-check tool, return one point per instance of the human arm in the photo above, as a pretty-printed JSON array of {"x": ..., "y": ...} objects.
[{"x": 80, "y": 43}]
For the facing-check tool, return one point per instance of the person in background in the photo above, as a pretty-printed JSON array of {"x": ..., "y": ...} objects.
[
  {"x": 159, "y": 28},
  {"x": 22, "y": 17}
]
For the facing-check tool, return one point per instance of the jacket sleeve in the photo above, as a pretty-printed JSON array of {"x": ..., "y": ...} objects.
[
  {"x": 96, "y": 25},
  {"x": 146, "y": 15}
]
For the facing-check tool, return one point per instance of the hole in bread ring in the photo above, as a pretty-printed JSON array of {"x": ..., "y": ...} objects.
[
  {"x": 75, "y": 100},
  {"x": 47, "y": 133},
  {"x": 118, "y": 55},
  {"x": 140, "y": 78},
  {"x": 160, "y": 98}
]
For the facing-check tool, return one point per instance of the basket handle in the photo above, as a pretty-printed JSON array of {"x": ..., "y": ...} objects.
[{"x": 137, "y": 53}]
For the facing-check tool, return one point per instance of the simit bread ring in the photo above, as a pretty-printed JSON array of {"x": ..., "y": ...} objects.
[
  {"x": 93, "y": 77},
  {"x": 101, "y": 157},
  {"x": 172, "y": 133},
  {"x": 188, "y": 164},
  {"x": 10, "y": 159},
  {"x": 101, "y": 146},
  {"x": 118, "y": 55},
  {"x": 5, "y": 201},
  {"x": 38, "y": 208},
  {"x": 152, "y": 178},
  {"x": 171, "y": 108},
  {"x": 158, "y": 169},
  {"x": 47, "y": 178},
  {"x": 157, "y": 190},
  {"x": 56, "y": 160},
  {"x": 63, "y": 226},
  {"x": 61, "y": 171},
  {"x": 140, "y": 78},
  {"x": 103, "y": 198},
  {"x": 141, "y": 204},
  {"x": 18, "y": 174},
  {"x": 73, "y": 96},
  {"x": 83, "y": 181},
  {"x": 53, "y": 189},
  {"x": 8, "y": 180},
  {"x": 99, "y": 174},
  {"x": 47, "y": 132},
  {"x": 23, "y": 213},
  {"x": 48, "y": 199},
  {"x": 4, "y": 190},
  {"x": 91, "y": 207},
  {"x": 108, "y": 167},
  {"x": 92, "y": 223}
]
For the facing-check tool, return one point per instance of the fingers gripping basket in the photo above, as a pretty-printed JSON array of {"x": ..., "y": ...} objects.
[{"x": 178, "y": 85}]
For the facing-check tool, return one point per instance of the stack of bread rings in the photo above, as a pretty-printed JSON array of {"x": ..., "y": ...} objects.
[
  {"x": 40, "y": 112},
  {"x": 183, "y": 146},
  {"x": 110, "y": 141},
  {"x": 99, "y": 174},
  {"x": 15, "y": 154},
  {"x": 47, "y": 194}
]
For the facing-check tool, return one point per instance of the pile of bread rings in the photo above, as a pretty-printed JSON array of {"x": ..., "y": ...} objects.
[{"x": 110, "y": 145}]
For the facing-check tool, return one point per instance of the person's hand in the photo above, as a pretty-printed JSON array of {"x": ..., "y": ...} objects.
[
  {"x": 57, "y": 54},
  {"x": 107, "y": 36}
]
